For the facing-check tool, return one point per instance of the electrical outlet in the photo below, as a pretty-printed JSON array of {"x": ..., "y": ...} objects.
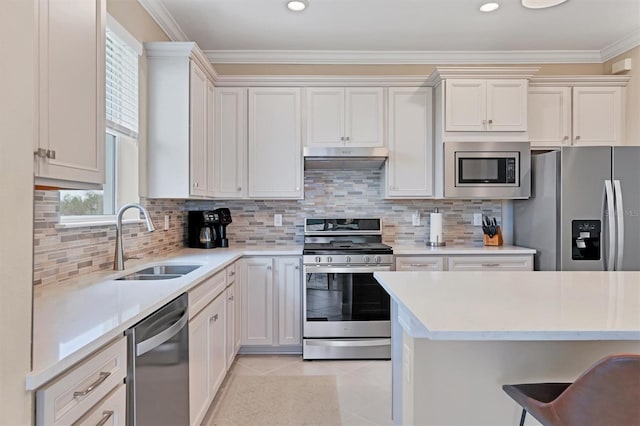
[
  {"x": 277, "y": 220},
  {"x": 415, "y": 218},
  {"x": 477, "y": 219},
  {"x": 166, "y": 222}
]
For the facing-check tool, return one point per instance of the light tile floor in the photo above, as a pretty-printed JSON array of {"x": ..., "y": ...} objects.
[{"x": 364, "y": 387}]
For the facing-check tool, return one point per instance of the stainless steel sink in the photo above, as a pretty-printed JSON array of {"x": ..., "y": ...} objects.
[{"x": 160, "y": 272}]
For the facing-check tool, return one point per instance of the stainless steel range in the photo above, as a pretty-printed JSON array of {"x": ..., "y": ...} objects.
[{"x": 345, "y": 310}]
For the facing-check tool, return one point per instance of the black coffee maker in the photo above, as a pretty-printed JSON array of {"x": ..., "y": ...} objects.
[
  {"x": 203, "y": 229},
  {"x": 224, "y": 218}
]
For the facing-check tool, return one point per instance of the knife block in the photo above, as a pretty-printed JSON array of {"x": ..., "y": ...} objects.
[{"x": 496, "y": 240}]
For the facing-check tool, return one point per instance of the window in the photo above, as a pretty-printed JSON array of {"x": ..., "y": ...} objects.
[{"x": 122, "y": 52}]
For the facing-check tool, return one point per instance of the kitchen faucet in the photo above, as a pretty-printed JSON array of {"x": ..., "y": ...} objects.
[{"x": 118, "y": 261}]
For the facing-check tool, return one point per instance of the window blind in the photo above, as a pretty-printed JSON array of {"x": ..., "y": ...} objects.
[{"x": 121, "y": 92}]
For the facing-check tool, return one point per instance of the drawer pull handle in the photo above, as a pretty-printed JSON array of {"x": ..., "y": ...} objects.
[
  {"x": 231, "y": 274},
  {"x": 417, "y": 265},
  {"x": 92, "y": 386},
  {"x": 231, "y": 298},
  {"x": 490, "y": 265},
  {"x": 106, "y": 415}
]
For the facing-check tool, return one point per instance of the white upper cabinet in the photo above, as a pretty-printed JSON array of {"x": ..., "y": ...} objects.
[
  {"x": 229, "y": 165},
  {"x": 71, "y": 87},
  {"x": 549, "y": 115},
  {"x": 486, "y": 105},
  {"x": 598, "y": 116},
  {"x": 409, "y": 169},
  {"x": 275, "y": 143},
  {"x": 180, "y": 154},
  {"x": 339, "y": 117}
]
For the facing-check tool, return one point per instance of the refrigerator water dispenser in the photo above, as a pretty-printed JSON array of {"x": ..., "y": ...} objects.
[{"x": 585, "y": 235}]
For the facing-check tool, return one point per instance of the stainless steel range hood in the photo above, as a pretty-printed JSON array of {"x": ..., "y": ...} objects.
[{"x": 322, "y": 158}]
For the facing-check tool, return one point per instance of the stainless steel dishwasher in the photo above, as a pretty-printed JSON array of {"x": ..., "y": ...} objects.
[{"x": 158, "y": 367}]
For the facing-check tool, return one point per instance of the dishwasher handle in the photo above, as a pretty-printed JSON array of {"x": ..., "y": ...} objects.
[{"x": 166, "y": 334}]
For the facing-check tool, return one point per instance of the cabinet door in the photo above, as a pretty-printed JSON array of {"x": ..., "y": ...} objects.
[
  {"x": 465, "y": 105},
  {"x": 598, "y": 115},
  {"x": 549, "y": 116},
  {"x": 275, "y": 149},
  {"x": 364, "y": 120},
  {"x": 210, "y": 119},
  {"x": 409, "y": 169},
  {"x": 217, "y": 342},
  {"x": 198, "y": 130},
  {"x": 230, "y": 322},
  {"x": 257, "y": 301},
  {"x": 325, "y": 116},
  {"x": 420, "y": 263},
  {"x": 230, "y": 143},
  {"x": 198, "y": 366},
  {"x": 507, "y": 105},
  {"x": 71, "y": 90},
  {"x": 289, "y": 301},
  {"x": 111, "y": 411}
]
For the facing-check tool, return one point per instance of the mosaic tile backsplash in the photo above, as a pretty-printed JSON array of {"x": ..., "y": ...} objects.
[{"x": 62, "y": 253}]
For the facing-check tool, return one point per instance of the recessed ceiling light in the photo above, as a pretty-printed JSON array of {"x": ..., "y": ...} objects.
[
  {"x": 297, "y": 5},
  {"x": 541, "y": 4},
  {"x": 489, "y": 7}
]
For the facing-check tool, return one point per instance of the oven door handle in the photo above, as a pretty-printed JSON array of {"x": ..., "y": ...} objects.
[
  {"x": 342, "y": 269},
  {"x": 348, "y": 343}
]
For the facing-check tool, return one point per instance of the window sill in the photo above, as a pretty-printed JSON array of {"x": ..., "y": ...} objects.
[{"x": 93, "y": 223}]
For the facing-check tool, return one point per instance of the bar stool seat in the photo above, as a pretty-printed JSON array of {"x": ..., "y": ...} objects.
[{"x": 606, "y": 394}]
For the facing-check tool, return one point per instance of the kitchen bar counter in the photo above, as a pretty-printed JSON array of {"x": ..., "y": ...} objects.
[
  {"x": 457, "y": 337},
  {"x": 409, "y": 249},
  {"x": 72, "y": 320}
]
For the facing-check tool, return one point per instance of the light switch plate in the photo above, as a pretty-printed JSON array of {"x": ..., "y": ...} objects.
[
  {"x": 166, "y": 222},
  {"x": 415, "y": 218},
  {"x": 277, "y": 220},
  {"x": 477, "y": 219}
]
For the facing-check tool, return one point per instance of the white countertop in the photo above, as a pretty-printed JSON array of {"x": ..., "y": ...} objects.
[
  {"x": 400, "y": 250},
  {"x": 518, "y": 305},
  {"x": 72, "y": 320}
]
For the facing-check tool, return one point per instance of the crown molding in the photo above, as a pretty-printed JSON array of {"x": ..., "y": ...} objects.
[
  {"x": 441, "y": 73},
  {"x": 621, "y": 46},
  {"x": 163, "y": 18},
  {"x": 579, "y": 80},
  {"x": 180, "y": 49},
  {"x": 322, "y": 81},
  {"x": 401, "y": 57}
]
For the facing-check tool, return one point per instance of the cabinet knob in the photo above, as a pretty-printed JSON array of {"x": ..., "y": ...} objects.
[
  {"x": 268, "y": 268},
  {"x": 341, "y": 138},
  {"x": 297, "y": 188},
  {"x": 195, "y": 184},
  {"x": 297, "y": 268},
  {"x": 231, "y": 298},
  {"x": 490, "y": 121},
  {"x": 566, "y": 138},
  {"x": 214, "y": 318},
  {"x": 577, "y": 138},
  {"x": 239, "y": 189},
  {"x": 40, "y": 152},
  {"x": 347, "y": 138}
]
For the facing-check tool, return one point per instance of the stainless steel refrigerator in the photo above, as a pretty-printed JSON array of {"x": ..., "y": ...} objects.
[{"x": 584, "y": 210}]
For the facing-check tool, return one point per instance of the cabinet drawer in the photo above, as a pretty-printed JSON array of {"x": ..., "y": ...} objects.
[
  {"x": 73, "y": 394},
  {"x": 231, "y": 273},
  {"x": 491, "y": 263},
  {"x": 202, "y": 294},
  {"x": 111, "y": 411},
  {"x": 420, "y": 263}
]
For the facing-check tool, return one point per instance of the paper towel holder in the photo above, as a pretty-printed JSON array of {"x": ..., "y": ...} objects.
[{"x": 437, "y": 242}]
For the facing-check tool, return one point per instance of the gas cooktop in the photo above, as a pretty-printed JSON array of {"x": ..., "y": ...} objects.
[{"x": 346, "y": 247}]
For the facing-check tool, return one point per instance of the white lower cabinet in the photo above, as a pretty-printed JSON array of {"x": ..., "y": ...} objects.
[
  {"x": 471, "y": 262},
  {"x": 111, "y": 411},
  {"x": 491, "y": 263},
  {"x": 271, "y": 303},
  {"x": 230, "y": 344},
  {"x": 85, "y": 388},
  {"x": 207, "y": 344}
]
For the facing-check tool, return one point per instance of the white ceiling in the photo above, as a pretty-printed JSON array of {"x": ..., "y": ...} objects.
[{"x": 388, "y": 26}]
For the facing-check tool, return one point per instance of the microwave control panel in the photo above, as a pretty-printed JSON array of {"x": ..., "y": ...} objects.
[{"x": 511, "y": 170}]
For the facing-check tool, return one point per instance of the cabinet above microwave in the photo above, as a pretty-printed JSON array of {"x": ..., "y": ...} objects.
[{"x": 486, "y": 170}]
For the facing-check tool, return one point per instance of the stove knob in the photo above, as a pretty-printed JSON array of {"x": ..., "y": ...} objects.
[
  {"x": 366, "y": 259},
  {"x": 347, "y": 259},
  {"x": 377, "y": 259},
  {"x": 329, "y": 259},
  {"x": 318, "y": 259}
]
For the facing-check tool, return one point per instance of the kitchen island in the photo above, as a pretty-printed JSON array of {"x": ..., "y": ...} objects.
[{"x": 457, "y": 337}]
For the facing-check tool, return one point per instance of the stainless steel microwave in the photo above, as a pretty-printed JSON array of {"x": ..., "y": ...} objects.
[{"x": 488, "y": 170}]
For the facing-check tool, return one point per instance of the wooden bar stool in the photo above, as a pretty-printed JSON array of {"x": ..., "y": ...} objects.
[{"x": 606, "y": 394}]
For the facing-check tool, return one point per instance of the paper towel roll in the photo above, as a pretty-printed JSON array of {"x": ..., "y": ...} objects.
[{"x": 436, "y": 235}]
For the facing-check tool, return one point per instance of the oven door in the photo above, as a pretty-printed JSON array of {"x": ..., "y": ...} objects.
[{"x": 340, "y": 302}]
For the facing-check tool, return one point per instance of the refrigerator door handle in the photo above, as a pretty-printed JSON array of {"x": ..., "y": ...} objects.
[
  {"x": 607, "y": 197},
  {"x": 620, "y": 218}
]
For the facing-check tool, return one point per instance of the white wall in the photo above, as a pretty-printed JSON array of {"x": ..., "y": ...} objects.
[{"x": 17, "y": 125}]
